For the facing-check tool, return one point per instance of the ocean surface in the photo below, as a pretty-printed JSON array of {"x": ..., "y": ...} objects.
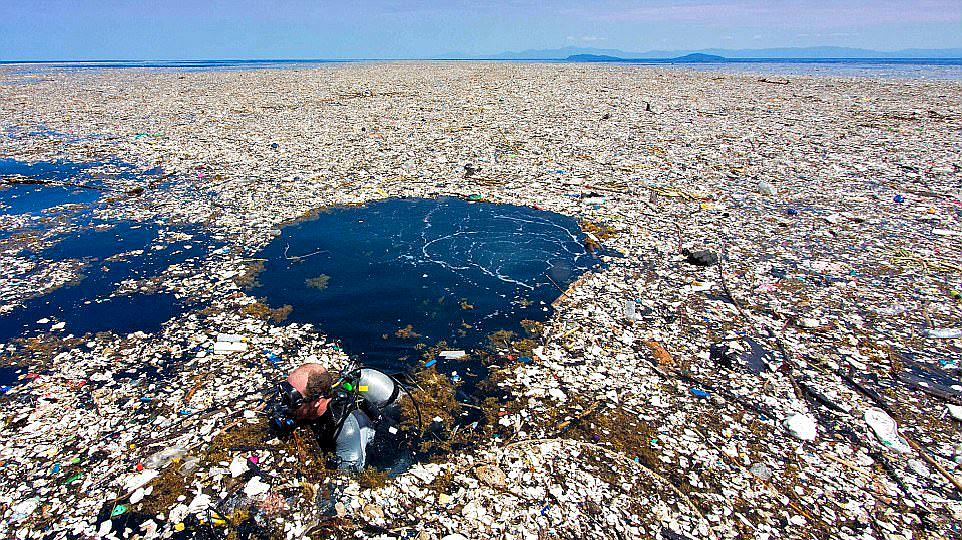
[{"x": 887, "y": 68}]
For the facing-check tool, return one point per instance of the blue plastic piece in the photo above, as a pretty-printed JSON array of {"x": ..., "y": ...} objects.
[{"x": 698, "y": 392}]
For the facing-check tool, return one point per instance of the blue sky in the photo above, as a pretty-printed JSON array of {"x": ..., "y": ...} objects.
[{"x": 201, "y": 29}]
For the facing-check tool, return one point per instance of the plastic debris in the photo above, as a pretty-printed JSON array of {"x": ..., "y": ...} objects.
[
  {"x": 887, "y": 430},
  {"x": 761, "y": 471},
  {"x": 955, "y": 411},
  {"x": 24, "y": 509},
  {"x": 943, "y": 333},
  {"x": 256, "y": 487},
  {"x": 802, "y": 426},
  {"x": 765, "y": 188}
]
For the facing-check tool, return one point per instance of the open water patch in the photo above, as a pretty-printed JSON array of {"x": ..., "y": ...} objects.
[
  {"x": 392, "y": 277},
  {"x": 110, "y": 255},
  {"x": 47, "y": 188},
  {"x": 9, "y": 377},
  {"x": 103, "y": 268},
  {"x": 35, "y": 187}
]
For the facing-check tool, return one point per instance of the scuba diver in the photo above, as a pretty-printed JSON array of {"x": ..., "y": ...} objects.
[{"x": 344, "y": 412}]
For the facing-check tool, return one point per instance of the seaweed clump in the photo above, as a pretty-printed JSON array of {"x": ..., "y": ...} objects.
[
  {"x": 279, "y": 315},
  {"x": 432, "y": 412},
  {"x": 371, "y": 478},
  {"x": 506, "y": 342},
  {"x": 256, "y": 310},
  {"x": 501, "y": 339},
  {"x": 170, "y": 485},
  {"x": 320, "y": 282},
  {"x": 247, "y": 278},
  {"x": 596, "y": 233},
  {"x": 533, "y": 329},
  {"x": 406, "y": 333},
  {"x": 435, "y": 397},
  {"x": 260, "y": 310}
]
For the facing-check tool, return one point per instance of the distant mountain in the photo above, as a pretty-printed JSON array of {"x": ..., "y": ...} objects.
[
  {"x": 686, "y": 59},
  {"x": 593, "y": 58},
  {"x": 776, "y": 52},
  {"x": 694, "y": 58},
  {"x": 560, "y": 54}
]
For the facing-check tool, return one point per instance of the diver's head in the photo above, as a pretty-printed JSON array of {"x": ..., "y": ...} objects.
[{"x": 312, "y": 385}]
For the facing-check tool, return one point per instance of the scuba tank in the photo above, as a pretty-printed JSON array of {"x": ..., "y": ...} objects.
[
  {"x": 379, "y": 389},
  {"x": 369, "y": 396}
]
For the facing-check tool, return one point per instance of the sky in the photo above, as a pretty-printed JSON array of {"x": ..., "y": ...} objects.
[{"x": 257, "y": 29}]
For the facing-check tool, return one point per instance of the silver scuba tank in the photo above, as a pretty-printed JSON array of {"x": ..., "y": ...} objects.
[
  {"x": 378, "y": 389},
  {"x": 358, "y": 430}
]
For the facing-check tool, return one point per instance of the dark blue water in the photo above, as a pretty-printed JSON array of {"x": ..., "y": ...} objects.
[
  {"x": 8, "y": 378},
  {"x": 110, "y": 252},
  {"x": 23, "y": 198},
  {"x": 37, "y": 187},
  {"x": 111, "y": 255},
  {"x": 31, "y": 198},
  {"x": 453, "y": 270}
]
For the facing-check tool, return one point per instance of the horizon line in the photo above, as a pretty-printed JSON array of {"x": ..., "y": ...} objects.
[{"x": 444, "y": 58}]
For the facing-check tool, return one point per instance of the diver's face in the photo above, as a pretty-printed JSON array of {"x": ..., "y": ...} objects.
[{"x": 313, "y": 410}]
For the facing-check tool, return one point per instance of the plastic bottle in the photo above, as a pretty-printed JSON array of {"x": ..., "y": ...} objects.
[
  {"x": 162, "y": 458},
  {"x": 944, "y": 333}
]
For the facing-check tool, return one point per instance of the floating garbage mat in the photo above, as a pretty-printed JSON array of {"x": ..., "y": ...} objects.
[{"x": 391, "y": 278}]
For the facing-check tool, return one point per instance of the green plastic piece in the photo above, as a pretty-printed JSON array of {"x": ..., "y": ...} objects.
[
  {"x": 348, "y": 386},
  {"x": 118, "y": 510}
]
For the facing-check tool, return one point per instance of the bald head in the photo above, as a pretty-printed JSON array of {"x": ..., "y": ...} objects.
[{"x": 313, "y": 381}]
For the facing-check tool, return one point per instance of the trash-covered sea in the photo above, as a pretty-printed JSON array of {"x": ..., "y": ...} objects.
[{"x": 768, "y": 349}]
